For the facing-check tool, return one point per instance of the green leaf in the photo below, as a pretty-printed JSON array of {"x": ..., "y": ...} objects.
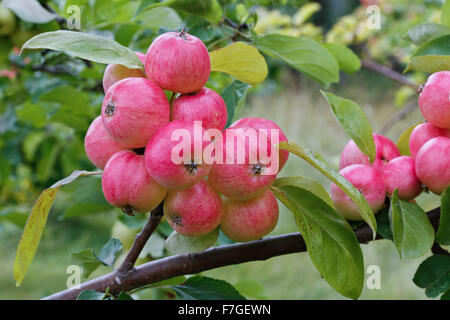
[
  {"x": 90, "y": 295},
  {"x": 307, "y": 184},
  {"x": 31, "y": 144},
  {"x": 110, "y": 251},
  {"x": 412, "y": 231},
  {"x": 443, "y": 233},
  {"x": 240, "y": 60},
  {"x": 124, "y": 296},
  {"x": 205, "y": 288},
  {"x": 87, "y": 260},
  {"x": 432, "y": 57},
  {"x": 445, "y": 14},
  {"x": 86, "y": 46},
  {"x": 446, "y": 295},
  {"x": 154, "y": 247},
  {"x": 384, "y": 224},
  {"x": 331, "y": 242},
  {"x": 14, "y": 215},
  {"x": 347, "y": 60},
  {"x": 303, "y": 54},
  {"x": 158, "y": 18},
  {"x": 29, "y": 10},
  {"x": 32, "y": 233},
  {"x": 434, "y": 275},
  {"x": 251, "y": 289},
  {"x": 354, "y": 121},
  {"x": 425, "y": 32},
  {"x": 179, "y": 244},
  {"x": 403, "y": 140},
  {"x": 35, "y": 225},
  {"x": 234, "y": 96}
]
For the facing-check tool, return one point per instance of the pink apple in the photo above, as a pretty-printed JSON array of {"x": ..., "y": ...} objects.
[
  {"x": 433, "y": 164},
  {"x": 127, "y": 184},
  {"x": 242, "y": 174},
  {"x": 133, "y": 110},
  {"x": 434, "y": 99},
  {"x": 99, "y": 145},
  {"x": 251, "y": 219},
  {"x": 422, "y": 133},
  {"x": 262, "y": 123},
  {"x": 116, "y": 72},
  {"x": 195, "y": 211},
  {"x": 179, "y": 62},
  {"x": 205, "y": 105},
  {"x": 368, "y": 181},
  {"x": 386, "y": 150},
  {"x": 400, "y": 173},
  {"x": 174, "y": 155}
]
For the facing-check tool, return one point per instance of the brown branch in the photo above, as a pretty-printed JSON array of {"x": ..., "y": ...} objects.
[
  {"x": 127, "y": 266},
  {"x": 217, "y": 257},
  {"x": 394, "y": 75},
  {"x": 402, "y": 114}
]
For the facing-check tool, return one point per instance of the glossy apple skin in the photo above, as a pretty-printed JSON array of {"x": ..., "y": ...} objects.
[
  {"x": 205, "y": 105},
  {"x": 386, "y": 150},
  {"x": 262, "y": 123},
  {"x": 126, "y": 184},
  {"x": 116, "y": 72},
  {"x": 400, "y": 173},
  {"x": 195, "y": 211},
  {"x": 159, "y": 162},
  {"x": 240, "y": 181},
  {"x": 434, "y": 101},
  {"x": 99, "y": 145},
  {"x": 251, "y": 219},
  {"x": 179, "y": 62},
  {"x": 423, "y": 133},
  {"x": 368, "y": 181},
  {"x": 133, "y": 110},
  {"x": 433, "y": 164}
]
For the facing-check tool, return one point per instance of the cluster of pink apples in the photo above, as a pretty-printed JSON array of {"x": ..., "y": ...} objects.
[
  {"x": 428, "y": 166},
  {"x": 139, "y": 132}
]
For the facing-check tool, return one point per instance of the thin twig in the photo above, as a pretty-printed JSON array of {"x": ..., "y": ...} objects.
[
  {"x": 141, "y": 239},
  {"x": 402, "y": 114},
  {"x": 394, "y": 75},
  {"x": 213, "y": 258}
]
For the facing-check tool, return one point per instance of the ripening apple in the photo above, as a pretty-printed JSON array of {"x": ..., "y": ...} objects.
[
  {"x": 116, "y": 72},
  {"x": 400, "y": 173},
  {"x": 422, "y": 133}
]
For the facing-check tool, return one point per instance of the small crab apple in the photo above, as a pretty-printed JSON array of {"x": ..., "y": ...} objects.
[
  {"x": 433, "y": 164},
  {"x": 262, "y": 123},
  {"x": 400, "y": 173},
  {"x": 179, "y": 62},
  {"x": 133, "y": 110},
  {"x": 116, "y": 72},
  {"x": 250, "y": 219},
  {"x": 175, "y": 154},
  {"x": 422, "y": 133},
  {"x": 205, "y": 105},
  {"x": 99, "y": 145},
  {"x": 386, "y": 150},
  {"x": 7, "y": 20},
  {"x": 127, "y": 184},
  {"x": 242, "y": 173},
  {"x": 368, "y": 181},
  {"x": 434, "y": 99},
  {"x": 195, "y": 211}
]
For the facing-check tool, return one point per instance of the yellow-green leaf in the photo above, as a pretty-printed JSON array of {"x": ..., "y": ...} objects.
[
  {"x": 403, "y": 140},
  {"x": 32, "y": 233},
  {"x": 240, "y": 60}
]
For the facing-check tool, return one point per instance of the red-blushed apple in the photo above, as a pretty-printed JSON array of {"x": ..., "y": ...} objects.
[
  {"x": 127, "y": 185},
  {"x": 262, "y": 123},
  {"x": 179, "y": 62},
  {"x": 99, "y": 145},
  {"x": 133, "y": 110},
  {"x": 386, "y": 150},
  {"x": 242, "y": 174},
  {"x": 368, "y": 181},
  {"x": 195, "y": 211},
  {"x": 205, "y": 105},
  {"x": 422, "y": 133},
  {"x": 174, "y": 156},
  {"x": 434, "y": 99},
  {"x": 433, "y": 164},
  {"x": 250, "y": 219},
  {"x": 400, "y": 173},
  {"x": 116, "y": 72}
]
